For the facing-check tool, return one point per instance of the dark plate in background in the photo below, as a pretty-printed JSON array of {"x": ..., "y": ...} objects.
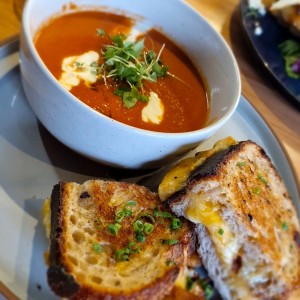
[{"x": 266, "y": 47}]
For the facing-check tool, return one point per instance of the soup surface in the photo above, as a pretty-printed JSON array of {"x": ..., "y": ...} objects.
[{"x": 72, "y": 46}]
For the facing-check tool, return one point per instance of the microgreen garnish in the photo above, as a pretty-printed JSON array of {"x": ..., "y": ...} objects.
[
  {"x": 101, "y": 32},
  {"x": 221, "y": 231},
  {"x": 114, "y": 228},
  {"x": 285, "y": 226},
  {"x": 169, "y": 242},
  {"x": 97, "y": 247},
  {"x": 262, "y": 179},
  {"x": 129, "y": 64}
]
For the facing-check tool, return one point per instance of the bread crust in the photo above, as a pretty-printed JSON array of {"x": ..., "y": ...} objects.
[
  {"x": 252, "y": 201},
  {"x": 97, "y": 198}
]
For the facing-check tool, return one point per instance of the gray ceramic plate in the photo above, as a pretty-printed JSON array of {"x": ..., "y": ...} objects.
[{"x": 32, "y": 161}]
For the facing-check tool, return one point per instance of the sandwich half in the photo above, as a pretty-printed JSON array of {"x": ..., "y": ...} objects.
[
  {"x": 246, "y": 225},
  {"x": 112, "y": 240}
]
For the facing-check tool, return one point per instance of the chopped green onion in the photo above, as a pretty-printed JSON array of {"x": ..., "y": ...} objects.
[
  {"x": 207, "y": 288},
  {"x": 140, "y": 236},
  {"x": 122, "y": 254},
  {"x": 97, "y": 247},
  {"x": 175, "y": 224},
  {"x": 221, "y": 231},
  {"x": 114, "y": 228},
  {"x": 162, "y": 214},
  {"x": 133, "y": 247},
  {"x": 285, "y": 226},
  {"x": 259, "y": 176},
  {"x": 148, "y": 228},
  {"x": 256, "y": 190},
  {"x": 138, "y": 226},
  {"x": 119, "y": 216},
  {"x": 131, "y": 203},
  {"x": 147, "y": 216},
  {"x": 127, "y": 212},
  {"x": 241, "y": 164},
  {"x": 170, "y": 242},
  {"x": 189, "y": 283}
]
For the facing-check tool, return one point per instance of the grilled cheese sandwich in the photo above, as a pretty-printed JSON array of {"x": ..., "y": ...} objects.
[
  {"x": 113, "y": 240},
  {"x": 246, "y": 224}
]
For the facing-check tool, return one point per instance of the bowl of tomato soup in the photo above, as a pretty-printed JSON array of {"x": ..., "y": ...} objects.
[{"x": 123, "y": 84}]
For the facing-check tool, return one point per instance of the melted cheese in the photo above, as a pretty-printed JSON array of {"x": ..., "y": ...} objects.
[
  {"x": 177, "y": 177},
  {"x": 79, "y": 68},
  {"x": 154, "y": 111},
  {"x": 47, "y": 216},
  {"x": 209, "y": 214}
]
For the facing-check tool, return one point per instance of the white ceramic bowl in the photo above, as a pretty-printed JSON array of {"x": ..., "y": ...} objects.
[{"x": 108, "y": 141}]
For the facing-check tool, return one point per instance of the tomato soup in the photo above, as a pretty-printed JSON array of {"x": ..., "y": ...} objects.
[{"x": 178, "y": 98}]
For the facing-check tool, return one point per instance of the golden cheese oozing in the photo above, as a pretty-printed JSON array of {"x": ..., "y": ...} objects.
[
  {"x": 176, "y": 179},
  {"x": 47, "y": 216},
  {"x": 198, "y": 211}
]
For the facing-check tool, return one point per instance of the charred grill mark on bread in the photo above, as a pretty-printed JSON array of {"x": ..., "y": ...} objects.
[
  {"x": 80, "y": 215},
  {"x": 58, "y": 278},
  {"x": 246, "y": 224}
]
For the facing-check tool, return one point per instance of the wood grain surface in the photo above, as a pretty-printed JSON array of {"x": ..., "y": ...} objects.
[{"x": 281, "y": 114}]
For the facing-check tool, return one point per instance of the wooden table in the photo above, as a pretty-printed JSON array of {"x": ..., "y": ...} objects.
[{"x": 274, "y": 106}]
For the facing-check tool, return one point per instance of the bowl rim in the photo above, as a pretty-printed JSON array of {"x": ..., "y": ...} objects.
[{"x": 207, "y": 130}]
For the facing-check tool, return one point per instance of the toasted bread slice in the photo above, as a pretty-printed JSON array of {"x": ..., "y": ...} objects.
[
  {"x": 246, "y": 224},
  {"x": 112, "y": 240}
]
